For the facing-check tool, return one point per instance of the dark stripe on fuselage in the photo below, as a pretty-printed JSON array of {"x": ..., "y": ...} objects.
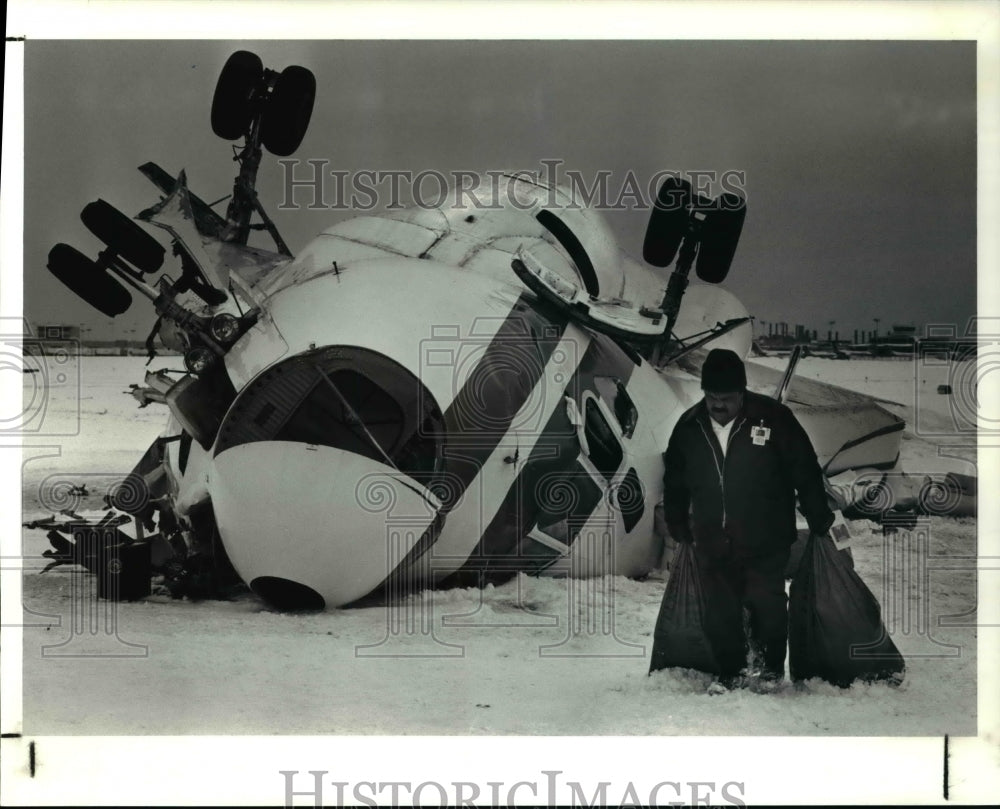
[
  {"x": 545, "y": 478},
  {"x": 502, "y": 381}
]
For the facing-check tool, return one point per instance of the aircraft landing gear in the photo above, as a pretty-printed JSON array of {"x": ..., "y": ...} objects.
[
  {"x": 704, "y": 231},
  {"x": 126, "y": 242},
  {"x": 249, "y": 96},
  {"x": 232, "y": 104},
  {"x": 289, "y": 110},
  {"x": 88, "y": 280},
  {"x": 270, "y": 110},
  {"x": 668, "y": 222},
  {"x": 123, "y": 236},
  {"x": 720, "y": 233}
]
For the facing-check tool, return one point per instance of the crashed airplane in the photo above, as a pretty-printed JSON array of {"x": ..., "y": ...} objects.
[{"x": 420, "y": 397}]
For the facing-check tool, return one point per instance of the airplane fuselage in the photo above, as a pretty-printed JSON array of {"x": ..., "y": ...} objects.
[{"x": 402, "y": 422}]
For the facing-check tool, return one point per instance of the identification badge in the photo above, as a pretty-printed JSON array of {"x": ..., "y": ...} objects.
[
  {"x": 760, "y": 435},
  {"x": 840, "y": 533}
]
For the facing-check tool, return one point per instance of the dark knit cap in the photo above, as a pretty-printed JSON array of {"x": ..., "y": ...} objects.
[{"x": 723, "y": 372}]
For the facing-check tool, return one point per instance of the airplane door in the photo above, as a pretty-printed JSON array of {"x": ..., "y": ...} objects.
[
  {"x": 603, "y": 488},
  {"x": 620, "y": 415},
  {"x": 607, "y": 457}
]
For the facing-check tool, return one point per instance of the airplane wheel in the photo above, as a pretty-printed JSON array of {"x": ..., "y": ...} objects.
[
  {"x": 231, "y": 108},
  {"x": 88, "y": 280},
  {"x": 123, "y": 235},
  {"x": 668, "y": 222},
  {"x": 288, "y": 111},
  {"x": 720, "y": 233}
]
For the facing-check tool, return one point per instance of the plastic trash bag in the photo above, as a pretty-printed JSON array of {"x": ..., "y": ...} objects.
[
  {"x": 679, "y": 639},
  {"x": 835, "y": 628}
]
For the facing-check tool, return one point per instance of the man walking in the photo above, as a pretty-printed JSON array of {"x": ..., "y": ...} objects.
[{"x": 733, "y": 466}]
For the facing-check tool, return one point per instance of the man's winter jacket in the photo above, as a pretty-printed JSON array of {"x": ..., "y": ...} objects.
[{"x": 742, "y": 502}]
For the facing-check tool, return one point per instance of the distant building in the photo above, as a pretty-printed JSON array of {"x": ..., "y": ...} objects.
[
  {"x": 900, "y": 340},
  {"x": 44, "y": 338},
  {"x": 779, "y": 339},
  {"x": 56, "y": 331},
  {"x": 903, "y": 340}
]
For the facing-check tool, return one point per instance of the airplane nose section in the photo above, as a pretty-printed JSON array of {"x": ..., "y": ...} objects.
[{"x": 310, "y": 526}]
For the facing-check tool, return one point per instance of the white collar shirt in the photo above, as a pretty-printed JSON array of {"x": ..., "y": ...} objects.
[{"x": 722, "y": 433}]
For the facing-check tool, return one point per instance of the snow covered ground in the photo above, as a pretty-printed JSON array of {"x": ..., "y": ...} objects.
[{"x": 533, "y": 657}]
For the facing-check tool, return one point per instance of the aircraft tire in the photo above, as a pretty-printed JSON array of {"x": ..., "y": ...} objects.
[
  {"x": 88, "y": 280},
  {"x": 720, "y": 234},
  {"x": 668, "y": 222},
  {"x": 123, "y": 235},
  {"x": 289, "y": 109},
  {"x": 231, "y": 108}
]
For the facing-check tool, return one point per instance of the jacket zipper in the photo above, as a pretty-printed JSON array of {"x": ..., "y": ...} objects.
[{"x": 718, "y": 468}]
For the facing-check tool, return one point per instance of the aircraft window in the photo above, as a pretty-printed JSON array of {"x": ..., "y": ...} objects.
[
  {"x": 348, "y": 411},
  {"x": 566, "y": 501},
  {"x": 613, "y": 392},
  {"x": 183, "y": 451},
  {"x": 605, "y": 451},
  {"x": 630, "y": 499},
  {"x": 344, "y": 397},
  {"x": 420, "y": 455}
]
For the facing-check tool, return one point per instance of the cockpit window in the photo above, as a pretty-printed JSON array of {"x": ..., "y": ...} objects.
[
  {"x": 348, "y": 411},
  {"x": 345, "y": 397},
  {"x": 613, "y": 392},
  {"x": 605, "y": 451}
]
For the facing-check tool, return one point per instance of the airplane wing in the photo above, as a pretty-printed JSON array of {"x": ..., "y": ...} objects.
[
  {"x": 808, "y": 392},
  {"x": 848, "y": 430}
]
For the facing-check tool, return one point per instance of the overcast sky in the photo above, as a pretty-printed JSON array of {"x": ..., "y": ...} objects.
[{"x": 859, "y": 158}]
